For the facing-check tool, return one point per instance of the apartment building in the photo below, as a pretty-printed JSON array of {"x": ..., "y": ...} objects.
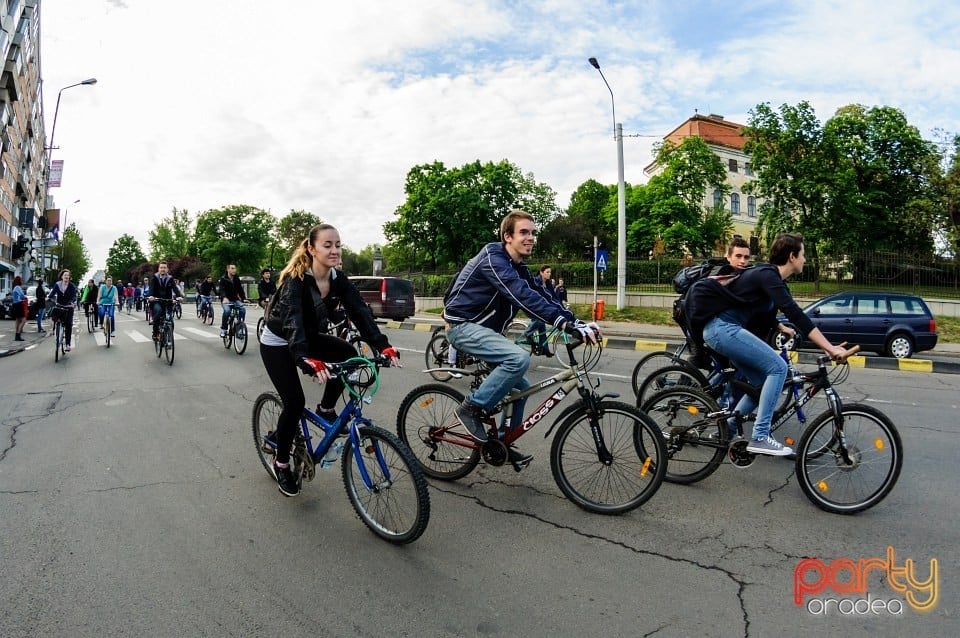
[
  {"x": 22, "y": 138},
  {"x": 725, "y": 140}
]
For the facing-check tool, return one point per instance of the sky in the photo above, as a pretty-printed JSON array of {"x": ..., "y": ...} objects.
[{"x": 325, "y": 107}]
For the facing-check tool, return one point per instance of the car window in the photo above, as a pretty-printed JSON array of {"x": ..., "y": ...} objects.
[
  {"x": 399, "y": 288},
  {"x": 903, "y": 306},
  {"x": 367, "y": 284},
  {"x": 871, "y": 305},
  {"x": 840, "y": 306}
]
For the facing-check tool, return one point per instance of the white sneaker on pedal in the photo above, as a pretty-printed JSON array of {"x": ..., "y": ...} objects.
[{"x": 769, "y": 446}]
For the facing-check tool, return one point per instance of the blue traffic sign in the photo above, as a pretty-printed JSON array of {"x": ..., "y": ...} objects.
[{"x": 603, "y": 258}]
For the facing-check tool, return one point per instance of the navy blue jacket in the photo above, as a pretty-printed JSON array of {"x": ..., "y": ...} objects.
[{"x": 492, "y": 288}]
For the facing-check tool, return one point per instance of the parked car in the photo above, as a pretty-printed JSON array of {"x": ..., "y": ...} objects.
[
  {"x": 7, "y": 301},
  {"x": 891, "y": 324},
  {"x": 390, "y": 297}
]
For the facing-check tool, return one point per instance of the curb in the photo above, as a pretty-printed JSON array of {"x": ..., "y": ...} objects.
[{"x": 625, "y": 342}]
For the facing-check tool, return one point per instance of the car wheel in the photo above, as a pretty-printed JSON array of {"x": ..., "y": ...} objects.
[
  {"x": 780, "y": 340},
  {"x": 900, "y": 346}
]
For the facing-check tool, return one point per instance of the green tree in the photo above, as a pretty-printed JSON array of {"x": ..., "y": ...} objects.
[
  {"x": 293, "y": 227},
  {"x": 449, "y": 214},
  {"x": 75, "y": 255},
  {"x": 236, "y": 234},
  {"x": 571, "y": 233},
  {"x": 172, "y": 237},
  {"x": 950, "y": 188},
  {"x": 125, "y": 255}
]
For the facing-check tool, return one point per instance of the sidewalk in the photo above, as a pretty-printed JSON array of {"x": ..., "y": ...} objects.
[
  {"x": 30, "y": 336},
  {"x": 648, "y": 337}
]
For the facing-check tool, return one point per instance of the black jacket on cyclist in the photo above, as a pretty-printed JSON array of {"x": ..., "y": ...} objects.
[
  {"x": 163, "y": 288},
  {"x": 751, "y": 288},
  {"x": 231, "y": 289},
  {"x": 299, "y": 316},
  {"x": 266, "y": 289},
  {"x": 492, "y": 288},
  {"x": 208, "y": 289}
]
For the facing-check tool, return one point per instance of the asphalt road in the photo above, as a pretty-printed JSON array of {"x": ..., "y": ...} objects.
[{"x": 133, "y": 504}]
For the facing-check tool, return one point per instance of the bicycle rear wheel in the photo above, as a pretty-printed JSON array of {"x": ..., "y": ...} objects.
[
  {"x": 266, "y": 415},
  {"x": 875, "y": 458},
  {"x": 178, "y": 310},
  {"x": 670, "y": 377},
  {"x": 515, "y": 333},
  {"x": 623, "y": 474},
  {"x": 650, "y": 362},
  {"x": 168, "y": 348},
  {"x": 396, "y": 504},
  {"x": 436, "y": 354},
  {"x": 427, "y": 423},
  {"x": 240, "y": 337},
  {"x": 696, "y": 445}
]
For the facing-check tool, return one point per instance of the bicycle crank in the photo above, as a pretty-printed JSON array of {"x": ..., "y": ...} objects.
[
  {"x": 494, "y": 452},
  {"x": 739, "y": 456}
]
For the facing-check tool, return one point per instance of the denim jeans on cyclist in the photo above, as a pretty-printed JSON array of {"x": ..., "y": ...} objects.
[
  {"x": 157, "y": 308},
  {"x": 241, "y": 312},
  {"x": 509, "y": 362},
  {"x": 756, "y": 360},
  {"x": 106, "y": 310}
]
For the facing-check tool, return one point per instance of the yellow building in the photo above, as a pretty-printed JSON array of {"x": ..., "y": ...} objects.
[{"x": 725, "y": 139}]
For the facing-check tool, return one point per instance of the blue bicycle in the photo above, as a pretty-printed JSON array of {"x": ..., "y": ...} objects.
[{"x": 383, "y": 479}]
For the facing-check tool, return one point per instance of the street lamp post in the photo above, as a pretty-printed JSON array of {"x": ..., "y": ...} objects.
[
  {"x": 49, "y": 148},
  {"x": 621, "y": 200}
]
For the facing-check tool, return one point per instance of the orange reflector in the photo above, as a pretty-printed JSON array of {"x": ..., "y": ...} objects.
[
  {"x": 822, "y": 486},
  {"x": 426, "y": 402},
  {"x": 692, "y": 409},
  {"x": 645, "y": 467},
  {"x": 878, "y": 443},
  {"x": 789, "y": 440}
]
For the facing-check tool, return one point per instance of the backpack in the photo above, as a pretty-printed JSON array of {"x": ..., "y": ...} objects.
[{"x": 687, "y": 276}]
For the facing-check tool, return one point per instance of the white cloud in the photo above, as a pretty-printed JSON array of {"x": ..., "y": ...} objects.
[{"x": 295, "y": 105}]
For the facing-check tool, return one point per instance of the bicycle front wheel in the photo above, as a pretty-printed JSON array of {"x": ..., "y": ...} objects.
[
  {"x": 228, "y": 336},
  {"x": 168, "y": 349},
  {"x": 58, "y": 341},
  {"x": 427, "y": 423},
  {"x": 266, "y": 415},
  {"x": 436, "y": 354},
  {"x": 260, "y": 324},
  {"x": 385, "y": 486},
  {"x": 874, "y": 457},
  {"x": 614, "y": 472},
  {"x": 696, "y": 445},
  {"x": 240, "y": 338},
  {"x": 670, "y": 377},
  {"x": 90, "y": 324},
  {"x": 107, "y": 328},
  {"x": 649, "y": 363}
]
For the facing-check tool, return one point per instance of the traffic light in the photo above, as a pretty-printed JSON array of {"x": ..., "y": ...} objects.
[{"x": 20, "y": 248}]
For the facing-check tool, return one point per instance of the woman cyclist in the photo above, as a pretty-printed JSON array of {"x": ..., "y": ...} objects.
[
  {"x": 297, "y": 318},
  {"x": 106, "y": 303},
  {"x": 64, "y": 294}
]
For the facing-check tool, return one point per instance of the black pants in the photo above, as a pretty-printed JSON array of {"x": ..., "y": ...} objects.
[{"x": 285, "y": 376}]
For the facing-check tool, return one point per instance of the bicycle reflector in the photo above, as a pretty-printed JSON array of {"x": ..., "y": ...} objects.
[
  {"x": 426, "y": 402},
  {"x": 878, "y": 443},
  {"x": 822, "y": 486},
  {"x": 645, "y": 467},
  {"x": 692, "y": 409}
]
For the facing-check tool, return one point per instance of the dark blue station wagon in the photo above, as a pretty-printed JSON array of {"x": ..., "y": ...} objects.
[{"x": 892, "y": 324}]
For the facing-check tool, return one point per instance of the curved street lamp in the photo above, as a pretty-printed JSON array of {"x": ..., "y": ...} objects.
[{"x": 621, "y": 200}]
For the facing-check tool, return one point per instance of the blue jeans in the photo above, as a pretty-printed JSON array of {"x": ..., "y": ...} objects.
[
  {"x": 241, "y": 312},
  {"x": 107, "y": 309},
  {"x": 509, "y": 363},
  {"x": 755, "y": 360},
  {"x": 41, "y": 310}
]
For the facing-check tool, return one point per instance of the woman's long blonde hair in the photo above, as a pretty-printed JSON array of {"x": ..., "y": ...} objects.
[{"x": 301, "y": 260}]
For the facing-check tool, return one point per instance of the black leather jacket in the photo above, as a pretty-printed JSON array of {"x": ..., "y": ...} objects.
[{"x": 298, "y": 315}]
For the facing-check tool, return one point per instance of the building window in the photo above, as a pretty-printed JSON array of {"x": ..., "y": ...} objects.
[
  {"x": 747, "y": 170},
  {"x": 717, "y": 198},
  {"x": 751, "y": 206},
  {"x": 735, "y": 203},
  {"x": 732, "y": 165}
]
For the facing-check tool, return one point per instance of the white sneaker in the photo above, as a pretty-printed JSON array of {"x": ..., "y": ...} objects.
[
  {"x": 769, "y": 446},
  {"x": 67, "y": 348},
  {"x": 223, "y": 333}
]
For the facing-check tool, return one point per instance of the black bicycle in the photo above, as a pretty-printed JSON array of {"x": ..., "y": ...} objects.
[
  {"x": 164, "y": 343},
  {"x": 236, "y": 333},
  {"x": 847, "y": 460}
]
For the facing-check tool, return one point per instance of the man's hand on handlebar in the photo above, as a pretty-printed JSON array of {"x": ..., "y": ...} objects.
[{"x": 589, "y": 332}]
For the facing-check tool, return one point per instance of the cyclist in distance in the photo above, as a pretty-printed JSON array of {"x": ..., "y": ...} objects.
[
  {"x": 310, "y": 288},
  {"x": 106, "y": 303},
  {"x": 88, "y": 299},
  {"x": 64, "y": 293},
  {"x": 730, "y": 317},
  {"x": 484, "y": 298},
  {"x": 265, "y": 288},
  {"x": 231, "y": 295},
  {"x": 162, "y": 288},
  {"x": 207, "y": 289}
]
